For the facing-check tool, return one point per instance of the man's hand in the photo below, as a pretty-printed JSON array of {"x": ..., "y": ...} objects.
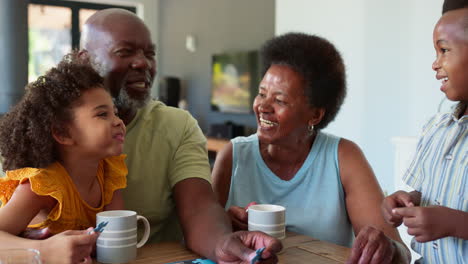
[
  {"x": 371, "y": 247},
  {"x": 427, "y": 223},
  {"x": 239, "y": 248},
  {"x": 396, "y": 200}
]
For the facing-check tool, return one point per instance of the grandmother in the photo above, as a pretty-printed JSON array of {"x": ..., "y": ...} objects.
[{"x": 324, "y": 181}]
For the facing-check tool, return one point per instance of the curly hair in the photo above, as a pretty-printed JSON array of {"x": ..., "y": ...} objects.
[
  {"x": 450, "y": 5},
  {"x": 318, "y": 62},
  {"x": 26, "y": 130}
]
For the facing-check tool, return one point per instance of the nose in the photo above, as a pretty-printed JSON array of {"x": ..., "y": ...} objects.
[
  {"x": 436, "y": 64},
  {"x": 265, "y": 105},
  {"x": 118, "y": 122},
  {"x": 141, "y": 61}
]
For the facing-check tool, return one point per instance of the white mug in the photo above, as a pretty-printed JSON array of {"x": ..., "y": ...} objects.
[
  {"x": 268, "y": 218},
  {"x": 118, "y": 242}
]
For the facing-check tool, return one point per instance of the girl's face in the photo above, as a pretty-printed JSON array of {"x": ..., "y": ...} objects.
[
  {"x": 281, "y": 107},
  {"x": 96, "y": 131},
  {"x": 451, "y": 45}
]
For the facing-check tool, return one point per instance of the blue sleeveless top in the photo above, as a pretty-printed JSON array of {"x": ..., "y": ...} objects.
[{"x": 314, "y": 197}]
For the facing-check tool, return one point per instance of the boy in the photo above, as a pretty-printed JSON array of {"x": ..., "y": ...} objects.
[{"x": 436, "y": 213}]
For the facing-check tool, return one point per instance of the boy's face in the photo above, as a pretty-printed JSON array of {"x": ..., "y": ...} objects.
[{"x": 451, "y": 45}]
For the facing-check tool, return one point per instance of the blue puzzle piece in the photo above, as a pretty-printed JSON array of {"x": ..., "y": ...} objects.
[
  {"x": 258, "y": 255},
  {"x": 203, "y": 261}
]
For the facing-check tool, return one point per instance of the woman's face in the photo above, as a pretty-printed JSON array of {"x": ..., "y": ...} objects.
[{"x": 281, "y": 107}]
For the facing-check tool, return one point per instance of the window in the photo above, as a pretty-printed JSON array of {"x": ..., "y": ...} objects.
[{"x": 54, "y": 30}]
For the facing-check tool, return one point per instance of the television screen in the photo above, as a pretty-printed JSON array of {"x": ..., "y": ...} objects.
[{"x": 234, "y": 81}]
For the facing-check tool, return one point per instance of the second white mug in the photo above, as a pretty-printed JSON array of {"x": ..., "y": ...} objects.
[{"x": 268, "y": 218}]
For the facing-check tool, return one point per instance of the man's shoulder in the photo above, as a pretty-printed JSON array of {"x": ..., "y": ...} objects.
[
  {"x": 161, "y": 114},
  {"x": 158, "y": 110}
]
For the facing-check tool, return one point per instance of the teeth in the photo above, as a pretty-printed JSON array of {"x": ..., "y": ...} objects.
[
  {"x": 267, "y": 122},
  {"x": 138, "y": 85}
]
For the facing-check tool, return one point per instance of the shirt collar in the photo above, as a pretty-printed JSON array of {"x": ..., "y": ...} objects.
[{"x": 457, "y": 111}]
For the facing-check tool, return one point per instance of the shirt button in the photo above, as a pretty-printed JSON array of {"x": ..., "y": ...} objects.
[
  {"x": 435, "y": 246},
  {"x": 437, "y": 202},
  {"x": 448, "y": 157}
]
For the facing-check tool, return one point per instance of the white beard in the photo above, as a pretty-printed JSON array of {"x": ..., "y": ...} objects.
[{"x": 124, "y": 101}]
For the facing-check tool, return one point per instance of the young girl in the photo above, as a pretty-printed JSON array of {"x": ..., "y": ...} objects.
[{"x": 60, "y": 147}]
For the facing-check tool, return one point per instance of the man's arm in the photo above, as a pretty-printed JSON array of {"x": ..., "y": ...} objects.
[{"x": 201, "y": 216}]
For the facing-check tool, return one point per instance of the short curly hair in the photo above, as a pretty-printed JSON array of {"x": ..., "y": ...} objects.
[
  {"x": 26, "y": 130},
  {"x": 318, "y": 62},
  {"x": 450, "y": 5}
]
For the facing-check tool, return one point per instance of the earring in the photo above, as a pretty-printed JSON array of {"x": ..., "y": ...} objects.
[{"x": 311, "y": 129}]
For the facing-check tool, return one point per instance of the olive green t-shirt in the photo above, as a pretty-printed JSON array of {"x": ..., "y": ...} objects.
[{"x": 164, "y": 145}]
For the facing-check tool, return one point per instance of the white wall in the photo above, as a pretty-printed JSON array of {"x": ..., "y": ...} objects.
[{"x": 387, "y": 48}]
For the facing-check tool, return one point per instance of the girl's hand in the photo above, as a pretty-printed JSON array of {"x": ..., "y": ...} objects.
[
  {"x": 427, "y": 223},
  {"x": 69, "y": 247},
  {"x": 373, "y": 247}
]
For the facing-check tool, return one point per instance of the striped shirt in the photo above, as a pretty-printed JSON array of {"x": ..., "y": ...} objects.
[{"x": 440, "y": 172}]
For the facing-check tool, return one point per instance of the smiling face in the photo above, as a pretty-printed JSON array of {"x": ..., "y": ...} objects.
[
  {"x": 95, "y": 130},
  {"x": 451, "y": 45},
  {"x": 283, "y": 114},
  {"x": 122, "y": 51}
]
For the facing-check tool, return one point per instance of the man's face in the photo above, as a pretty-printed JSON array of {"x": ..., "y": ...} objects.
[{"x": 124, "y": 55}]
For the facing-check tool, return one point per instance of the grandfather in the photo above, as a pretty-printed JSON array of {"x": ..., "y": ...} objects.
[{"x": 169, "y": 174}]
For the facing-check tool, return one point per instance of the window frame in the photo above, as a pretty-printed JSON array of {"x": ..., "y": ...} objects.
[{"x": 75, "y": 7}]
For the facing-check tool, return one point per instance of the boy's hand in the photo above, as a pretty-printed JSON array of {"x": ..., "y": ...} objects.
[
  {"x": 396, "y": 200},
  {"x": 371, "y": 247},
  {"x": 427, "y": 223}
]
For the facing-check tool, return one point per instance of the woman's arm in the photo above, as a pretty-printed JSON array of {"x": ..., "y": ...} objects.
[
  {"x": 363, "y": 199},
  {"x": 221, "y": 174}
]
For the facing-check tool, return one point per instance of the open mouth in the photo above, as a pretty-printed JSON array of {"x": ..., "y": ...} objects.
[
  {"x": 267, "y": 123},
  {"x": 141, "y": 86}
]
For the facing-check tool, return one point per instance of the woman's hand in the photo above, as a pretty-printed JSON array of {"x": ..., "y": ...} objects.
[
  {"x": 238, "y": 217},
  {"x": 371, "y": 247},
  {"x": 69, "y": 247},
  {"x": 36, "y": 234}
]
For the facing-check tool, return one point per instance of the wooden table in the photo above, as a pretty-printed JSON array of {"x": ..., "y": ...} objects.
[{"x": 298, "y": 249}]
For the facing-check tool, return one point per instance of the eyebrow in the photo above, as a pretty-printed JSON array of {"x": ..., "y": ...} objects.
[
  {"x": 128, "y": 43},
  {"x": 443, "y": 41},
  {"x": 101, "y": 107}
]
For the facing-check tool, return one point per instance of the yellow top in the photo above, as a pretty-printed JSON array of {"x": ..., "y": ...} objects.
[{"x": 71, "y": 212}]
